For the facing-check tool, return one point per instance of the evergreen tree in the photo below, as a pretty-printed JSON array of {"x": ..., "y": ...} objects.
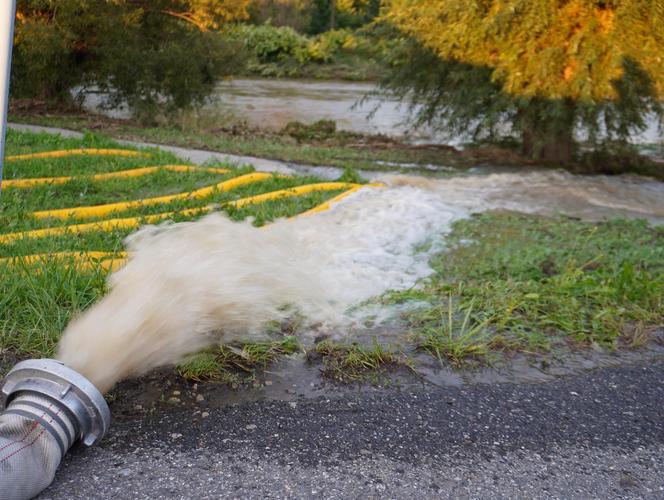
[{"x": 544, "y": 66}]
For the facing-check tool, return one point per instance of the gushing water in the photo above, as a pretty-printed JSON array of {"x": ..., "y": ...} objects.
[{"x": 190, "y": 285}]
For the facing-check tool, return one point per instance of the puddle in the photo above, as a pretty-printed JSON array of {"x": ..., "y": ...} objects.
[{"x": 295, "y": 377}]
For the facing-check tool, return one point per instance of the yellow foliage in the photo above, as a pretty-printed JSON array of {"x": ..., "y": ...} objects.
[
  {"x": 552, "y": 48},
  {"x": 208, "y": 14},
  {"x": 352, "y": 6}
]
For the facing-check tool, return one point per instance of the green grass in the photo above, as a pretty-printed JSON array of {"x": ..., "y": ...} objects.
[
  {"x": 527, "y": 283},
  {"x": 236, "y": 364},
  {"x": 353, "y": 362},
  {"x": 38, "y": 300},
  {"x": 505, "y": 282}
]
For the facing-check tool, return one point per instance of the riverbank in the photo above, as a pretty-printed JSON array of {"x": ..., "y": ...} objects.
[{"x": 321, "y": 144}]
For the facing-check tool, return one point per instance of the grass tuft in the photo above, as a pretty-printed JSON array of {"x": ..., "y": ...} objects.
[
  {"x": 355, "y": 362},
  {"x": 235, "y": 365}
]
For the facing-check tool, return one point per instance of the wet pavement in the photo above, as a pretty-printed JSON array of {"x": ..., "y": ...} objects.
[{"x": 595, "y": 435}]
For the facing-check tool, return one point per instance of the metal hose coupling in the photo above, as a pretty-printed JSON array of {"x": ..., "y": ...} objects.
[{"x": 63, "y": 401}]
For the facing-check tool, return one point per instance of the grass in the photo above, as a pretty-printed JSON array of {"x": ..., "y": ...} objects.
[
  {"x": 353, "y": 362},
  {"x": 339, "y": 149},
  {"x": 37, "y": 300},
  {"x": 506, "y": 282},
  {"x": 512, "y": 282},
  {"x": 236, "y": 365}
]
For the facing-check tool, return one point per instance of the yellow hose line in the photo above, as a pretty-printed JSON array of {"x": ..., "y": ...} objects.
[
  {"x": 134, "y": 222},
  {"x": 326, "y": 205},
  {"x": 113, "y": 261},
  {"x": 291, "y": 192},
  {"x": 78, "y": 256},
  {"x": 104, "y": 225},
  {"x": 77, "y": 152},
  {"x": 100, "y": 210},
  {"x": 134, "y": 172}
]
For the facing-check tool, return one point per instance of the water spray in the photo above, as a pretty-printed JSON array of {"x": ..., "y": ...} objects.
[{"x": 48, "y": 407}]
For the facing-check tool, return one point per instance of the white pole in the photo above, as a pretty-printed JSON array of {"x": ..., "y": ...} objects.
[{"x": 7, "y": 14}]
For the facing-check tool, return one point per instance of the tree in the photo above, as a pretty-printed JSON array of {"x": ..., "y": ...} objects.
[
  {"x": 149, "y": 53},
  {"x": 545, "y": 66}
]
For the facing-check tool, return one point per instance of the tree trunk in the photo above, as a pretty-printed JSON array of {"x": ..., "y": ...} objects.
[
  {"x": 333, "y": 14},
  {"x": 547, "y": 130},
  {"x": 542, "y": 144}
]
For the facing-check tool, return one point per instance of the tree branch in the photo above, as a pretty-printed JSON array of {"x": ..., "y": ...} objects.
[{"x": 186, "y": 17}]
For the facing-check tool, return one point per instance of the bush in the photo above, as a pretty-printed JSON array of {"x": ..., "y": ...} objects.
[
  {"x": 322, "y": 129},
  {"x": 269, "y": 43},
  {"x": 325, "y": 46}
]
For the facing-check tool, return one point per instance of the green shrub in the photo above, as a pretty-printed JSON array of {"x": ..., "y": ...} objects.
[
  {"x": 269, "y": 43},
  {"x": 322, "y": 129},
  {"x": 326, "y": 45}
]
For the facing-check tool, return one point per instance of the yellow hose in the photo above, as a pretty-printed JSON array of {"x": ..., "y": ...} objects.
[
  {"x": 77, "y": 152},
  {"x": 134, "y": 172},
  {"x": 101, "y": 210},
  {"x": 104, "y": 225},
  {"x": 290, "y": 192},
  {"x": 134, "y": 222},
  {"x": 90, "y": 255}
]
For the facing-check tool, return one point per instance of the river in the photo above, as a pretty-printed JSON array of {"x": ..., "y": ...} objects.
[{"x": 273, "y": 103}]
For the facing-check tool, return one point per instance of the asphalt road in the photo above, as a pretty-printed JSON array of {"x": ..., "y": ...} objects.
[{"x": 598, "y": 435}]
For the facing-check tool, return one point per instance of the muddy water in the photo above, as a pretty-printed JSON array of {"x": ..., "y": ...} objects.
[
  {"x": 190, "y": 285},
  {"x": 274, "y": 103}
]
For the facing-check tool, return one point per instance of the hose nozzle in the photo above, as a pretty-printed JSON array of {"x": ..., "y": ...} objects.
[{"x": 67, "y": 404}]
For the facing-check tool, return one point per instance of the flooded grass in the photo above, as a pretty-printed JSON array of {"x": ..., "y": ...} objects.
[
  {"x": 235, "y": 365},
  {"x": 353, "y": 362}
]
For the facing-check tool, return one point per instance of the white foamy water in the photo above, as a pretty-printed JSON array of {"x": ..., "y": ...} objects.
[{"x": 189, "y": 285}]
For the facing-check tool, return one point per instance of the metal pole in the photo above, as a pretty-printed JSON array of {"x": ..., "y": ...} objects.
[{"x": 7, "y": 15}]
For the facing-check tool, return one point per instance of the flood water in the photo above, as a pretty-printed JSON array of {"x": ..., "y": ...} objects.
[
  {"x": 274, "y": 103},
  {"x": 371, "y": 241}
]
